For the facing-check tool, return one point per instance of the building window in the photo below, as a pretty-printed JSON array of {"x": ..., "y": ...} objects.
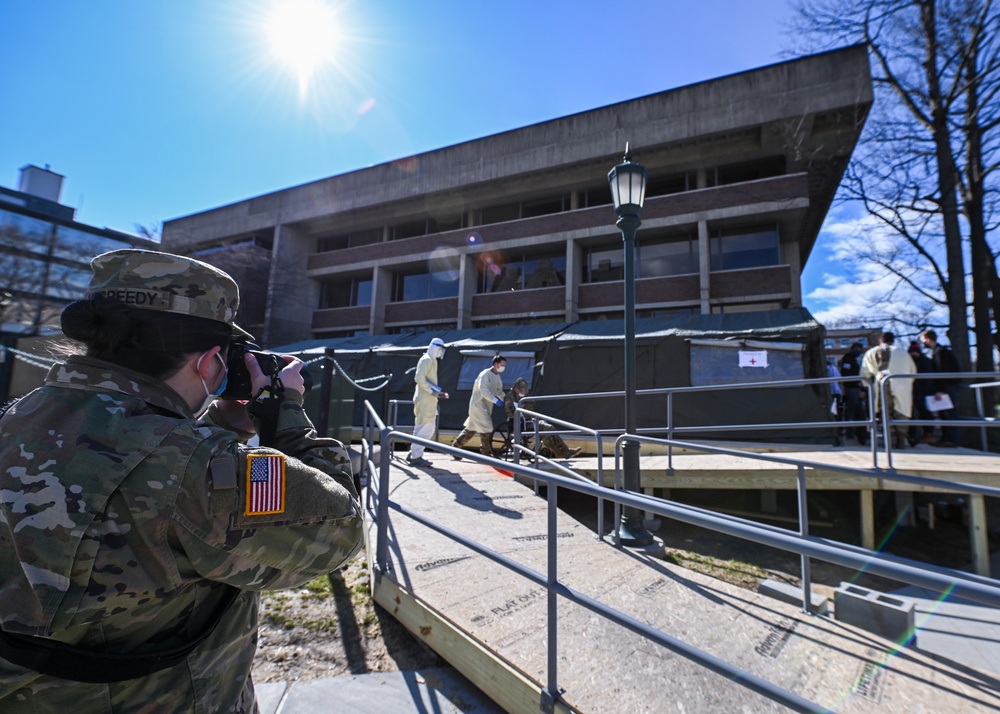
[
  {"x": 595, "y": 196},
  {"x": 409, "y": 229},
  {"x": 605, "y": 263},
  {"x": 544, "y": 206},
  {"x": 345, "y": 292},
  {"x": 747, "y": 171},
  {"x": 500, "y": 214},
  {"x": 677, "y": 256},
  {"x": 746, "y": 247},
  {"x": 675, "y": 183},
  {"x": 524, "y": 272},
  {"x": 845, "y": 342},
  {"x": 424, "y": 286},
  {"x": 367, "y": 236}
]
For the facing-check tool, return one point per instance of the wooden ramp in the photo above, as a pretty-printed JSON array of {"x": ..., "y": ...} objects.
[{"x": 490, "y": 623}]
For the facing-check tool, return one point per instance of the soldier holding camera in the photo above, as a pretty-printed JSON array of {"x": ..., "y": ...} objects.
[{"x": 136, "y": 535}]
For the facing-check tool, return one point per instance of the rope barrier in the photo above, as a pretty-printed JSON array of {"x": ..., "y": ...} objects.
[
  {"x": 28, "y": 358},
  {"x": 356, "y": 383}
]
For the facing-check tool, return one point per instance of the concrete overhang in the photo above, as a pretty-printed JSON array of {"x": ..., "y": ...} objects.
[{"x": 810, "y": 110}]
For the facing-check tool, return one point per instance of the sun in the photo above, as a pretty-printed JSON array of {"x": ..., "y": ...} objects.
[{"x": 303, "y": 35}]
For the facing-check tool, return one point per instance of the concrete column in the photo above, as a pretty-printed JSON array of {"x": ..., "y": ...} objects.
[
  {"x": 701, "y": 178},
  {"x": 291, "y": 298},
  {"x": 381, "y": 296},
  {"x": 978, "y": 534},
  {"x": 704, "y": 265},
  {"x": 467, "y": 281},
  {"x": 574, "y": 276},
  {"x": 574, "y": 200},
  {"x": 794, "y": 260},
  {"x": 868, "y": 519}
]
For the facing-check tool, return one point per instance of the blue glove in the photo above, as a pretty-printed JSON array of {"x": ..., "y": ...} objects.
[{"x": 498, "y": 401}]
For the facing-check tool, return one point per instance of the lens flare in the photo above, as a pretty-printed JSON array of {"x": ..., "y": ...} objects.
[{"x": 443, "y": 264}]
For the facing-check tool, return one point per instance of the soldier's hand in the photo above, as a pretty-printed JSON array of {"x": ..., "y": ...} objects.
[{"x": 235, "y": 415}]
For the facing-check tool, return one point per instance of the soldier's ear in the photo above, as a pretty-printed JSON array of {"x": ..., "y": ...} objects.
[{"x": 205, "y": 363}]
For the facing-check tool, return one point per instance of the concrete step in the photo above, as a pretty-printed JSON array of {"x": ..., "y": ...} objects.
[{"x": 439, "y": 689}]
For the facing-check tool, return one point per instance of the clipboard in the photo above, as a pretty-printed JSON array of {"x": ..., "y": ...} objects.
[{"x": 938, "y": 405}]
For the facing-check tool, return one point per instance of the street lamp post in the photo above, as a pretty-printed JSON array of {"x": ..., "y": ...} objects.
[{"x": 628, "y": 189}]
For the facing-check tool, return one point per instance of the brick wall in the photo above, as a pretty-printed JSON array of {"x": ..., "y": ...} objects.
[
  {"x": 421, "y": 311},
  {"x": 341, "y": 318},
  {"x": 516, "y": 302},
  {"x": 752, "y": 281}
]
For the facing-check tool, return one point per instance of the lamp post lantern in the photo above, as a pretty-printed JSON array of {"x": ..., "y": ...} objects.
[{"x": 628, "y": 189}]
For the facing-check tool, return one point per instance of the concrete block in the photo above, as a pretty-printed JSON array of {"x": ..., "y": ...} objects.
[
  {"x": 886, "y": 615},
  {"x": 792, "y": 594}
]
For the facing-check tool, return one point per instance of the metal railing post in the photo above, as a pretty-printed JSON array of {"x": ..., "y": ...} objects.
[
  {"x": 600, "y": 482},
  {"x": 382, "y": 507},
  {"x": 670, "y": 430},
  {"x": 883, "y": 392},
  {"x": 982, "y": 416},
  {"x": 551, "y": 691},
  {"x": 804, "y": 531}
]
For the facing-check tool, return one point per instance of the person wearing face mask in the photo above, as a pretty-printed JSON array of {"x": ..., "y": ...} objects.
[
  {"x": 425, "y": 400},
  {"x": 486, "y": 393},
  {"x": 138, "y": 527}
]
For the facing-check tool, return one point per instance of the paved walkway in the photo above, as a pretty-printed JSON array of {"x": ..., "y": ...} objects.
[{"x": 441, "y": 690}]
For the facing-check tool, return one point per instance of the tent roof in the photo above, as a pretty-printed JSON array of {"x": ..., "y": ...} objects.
[
  {"x": 771, "y": 324},
  {"x": 522, "y": 337},
  {"x": 793, "y": 322}
]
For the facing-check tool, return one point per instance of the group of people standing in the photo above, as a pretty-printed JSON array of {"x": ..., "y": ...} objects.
[
  {"x": 487, "y": 393},
  {"x": 907, "y": 398}
]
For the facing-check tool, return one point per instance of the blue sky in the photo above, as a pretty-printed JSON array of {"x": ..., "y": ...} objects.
[{"x": 155, "y": 109}]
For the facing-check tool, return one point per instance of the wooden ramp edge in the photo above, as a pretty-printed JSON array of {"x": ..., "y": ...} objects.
[{"x": 498, "y": 679}]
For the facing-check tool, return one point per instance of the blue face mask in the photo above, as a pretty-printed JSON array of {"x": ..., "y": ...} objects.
[{"x": 225, "y": 377}]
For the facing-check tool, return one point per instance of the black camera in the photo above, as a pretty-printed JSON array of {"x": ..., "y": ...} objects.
[{"x": 238, "y": 385}]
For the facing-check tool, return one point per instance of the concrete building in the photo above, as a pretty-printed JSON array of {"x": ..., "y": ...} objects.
[
  {"x": 45, "y": 253},
  {"x": 518, "y": 227},
  {"x": 838, "y": 341},
  {"x": 44, "y": 265}
]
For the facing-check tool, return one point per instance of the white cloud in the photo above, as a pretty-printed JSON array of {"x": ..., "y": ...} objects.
[{"x": 854, "y": 288}]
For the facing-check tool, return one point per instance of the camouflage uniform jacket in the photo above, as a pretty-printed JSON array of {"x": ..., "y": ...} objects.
[{"x": 123, "y": 522}]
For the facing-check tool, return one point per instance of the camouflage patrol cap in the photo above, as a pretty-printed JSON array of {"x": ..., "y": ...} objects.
[{"x": 172, "y": 283}]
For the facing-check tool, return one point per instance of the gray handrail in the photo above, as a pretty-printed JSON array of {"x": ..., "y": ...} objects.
[
  {"x": 960, "y": 584},
  {"x": 872, "y": 423},
  {"x": 888, "y": 421}
]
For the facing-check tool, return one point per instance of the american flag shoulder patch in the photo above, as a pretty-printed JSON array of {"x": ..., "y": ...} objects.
[{"x": 265, "y": 484}]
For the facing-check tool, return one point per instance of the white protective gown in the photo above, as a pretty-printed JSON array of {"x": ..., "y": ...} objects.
[
  {"x": 900, "y": 362},
  {"x": 425, "y": 401},
  {"x": 488, "y": 388}
]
